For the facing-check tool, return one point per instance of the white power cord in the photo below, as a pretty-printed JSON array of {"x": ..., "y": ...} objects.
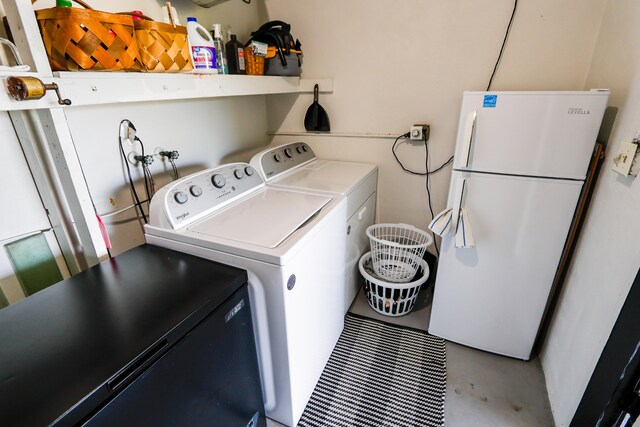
[{"x": 20, "y": 66}]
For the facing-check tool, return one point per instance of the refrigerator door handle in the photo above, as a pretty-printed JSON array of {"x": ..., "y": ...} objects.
[
  {"x": 456, "y": 208},
  {"x": 467, "y": 139}
]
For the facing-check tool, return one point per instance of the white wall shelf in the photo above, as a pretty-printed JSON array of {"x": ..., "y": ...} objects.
[{"x": 98, "y": 88}]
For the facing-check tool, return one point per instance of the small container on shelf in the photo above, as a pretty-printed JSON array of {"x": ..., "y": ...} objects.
[
  {"x": 254, "y": 55},
  {"x": 203, "y": 52},
  {"x": 235, "y": 56}
]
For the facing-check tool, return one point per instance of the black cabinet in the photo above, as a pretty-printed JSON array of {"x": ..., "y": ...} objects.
[{"x": 151, "y": 337}]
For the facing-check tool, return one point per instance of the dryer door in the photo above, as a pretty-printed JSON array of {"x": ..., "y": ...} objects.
[{"x": 357, "y": 245}]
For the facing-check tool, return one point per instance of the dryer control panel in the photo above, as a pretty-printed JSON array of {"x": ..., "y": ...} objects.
[
  {"x": 190, "y": 198},
  {"x": 281, "y": 159}
]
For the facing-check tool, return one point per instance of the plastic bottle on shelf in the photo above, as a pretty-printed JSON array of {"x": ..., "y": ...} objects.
[
  {"x": 218, "y": 43},
  {"x": 203, "y": 52},
  {"x": 235, "y": 56}
]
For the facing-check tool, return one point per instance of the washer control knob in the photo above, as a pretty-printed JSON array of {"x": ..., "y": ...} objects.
[
  {"x": 304, "y": 148},
  {"x": 299, "y": 149},
  {"x": 180, "y": 197},
  {"x": 218, "y": 181},
  {"x": 248, "y": 170},
  {"x": 195, "y": 191},
  {"x": 288, "y": 152},
  {"x": 238, "y": 173},
  {"x": 277, "y": 157}
]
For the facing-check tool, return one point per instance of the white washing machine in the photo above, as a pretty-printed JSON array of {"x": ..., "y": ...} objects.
[
  {"x": 290, "y": 243},
  {"x": 295, "y": 166}
]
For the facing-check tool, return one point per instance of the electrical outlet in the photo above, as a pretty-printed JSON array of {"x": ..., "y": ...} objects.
[
  {"x": 419, "y": 133},
  {"x": 127, "y": 132},
  {"x": 625, "y": 158},
  {"x": 124, "y": 131}
]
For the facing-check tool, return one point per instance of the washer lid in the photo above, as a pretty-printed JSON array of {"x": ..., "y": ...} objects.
[
  {"x": 265, "y": 219},
  {"x": 326, "y": 175}
]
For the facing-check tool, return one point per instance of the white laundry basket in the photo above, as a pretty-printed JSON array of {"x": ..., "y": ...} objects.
[
  {"x": 397, "y": 250},
  {"x": 388, "y": 298}
]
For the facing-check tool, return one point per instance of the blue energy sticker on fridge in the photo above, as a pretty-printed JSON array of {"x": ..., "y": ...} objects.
[{"x": 490, "y": 101}]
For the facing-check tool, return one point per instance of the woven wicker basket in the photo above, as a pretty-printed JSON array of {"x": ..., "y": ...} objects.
[
  {"x": 87, "y": 39},
  {"x": 163, "y": 48}
]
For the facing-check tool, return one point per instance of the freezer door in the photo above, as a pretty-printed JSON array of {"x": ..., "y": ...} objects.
[
  {"x": 492, "y": 296},
  {"x": 546, "y": 134}
]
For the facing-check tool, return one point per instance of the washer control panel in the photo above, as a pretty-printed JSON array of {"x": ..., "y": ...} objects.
[
  {"x": 284, "y": 158},
  {"x": 198, "y": 194}
]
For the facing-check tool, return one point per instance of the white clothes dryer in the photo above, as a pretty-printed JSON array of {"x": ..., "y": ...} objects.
[
  {"x": 289, "y": 243},
  {"x": 295, "y": 166}
]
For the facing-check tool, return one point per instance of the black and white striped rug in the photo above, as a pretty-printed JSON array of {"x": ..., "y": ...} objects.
[{"x": 380, "y": 374}]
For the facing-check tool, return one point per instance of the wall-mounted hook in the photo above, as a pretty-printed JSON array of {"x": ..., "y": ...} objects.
[{"x": 24, "y": 88}]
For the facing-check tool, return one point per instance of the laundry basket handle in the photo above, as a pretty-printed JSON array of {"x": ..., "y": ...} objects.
[{"x": 408, "y": 226}]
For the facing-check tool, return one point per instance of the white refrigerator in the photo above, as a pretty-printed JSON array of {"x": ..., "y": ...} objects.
[{"x": 520, "y": 164}]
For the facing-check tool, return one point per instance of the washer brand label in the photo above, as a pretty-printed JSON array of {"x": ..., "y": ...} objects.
[
  {"x": 233, "y": 311},
  {"x": 291, "y": 282},
  {"x": 578, "y": 111},
  {"x": 182, "y": 216},
  {"x": 490, "y": 101}
]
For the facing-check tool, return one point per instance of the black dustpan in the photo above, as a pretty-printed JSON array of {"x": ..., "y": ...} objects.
[{"x": 316, "y": 119}]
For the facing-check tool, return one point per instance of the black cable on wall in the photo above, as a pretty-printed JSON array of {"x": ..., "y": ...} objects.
[{"x": 504, "y": 42}]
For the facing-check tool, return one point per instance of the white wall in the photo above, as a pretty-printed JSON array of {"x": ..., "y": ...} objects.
[
  {"x": 395, "y": 63},
  {"x": 203, "y": 132},
  {"x": 608, "y": 256}
]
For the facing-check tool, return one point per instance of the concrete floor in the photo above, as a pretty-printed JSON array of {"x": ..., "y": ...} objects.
[{"x": 483, "y": 389}]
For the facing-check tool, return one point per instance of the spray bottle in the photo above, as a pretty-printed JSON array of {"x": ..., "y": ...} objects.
[{"x": 218, "y": 43}]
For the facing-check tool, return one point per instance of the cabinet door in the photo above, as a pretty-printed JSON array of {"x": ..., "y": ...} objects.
[{"x": 208, "y": 378}]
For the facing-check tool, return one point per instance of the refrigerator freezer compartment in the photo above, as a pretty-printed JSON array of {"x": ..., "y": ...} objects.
[{"x": 546, "y": 134}]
